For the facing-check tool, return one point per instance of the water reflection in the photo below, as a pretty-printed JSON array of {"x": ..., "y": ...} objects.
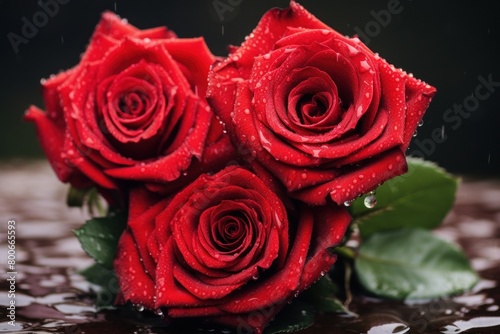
[
  {"x": 389, "y": 329},
  {"x": 461, "y": 326}
]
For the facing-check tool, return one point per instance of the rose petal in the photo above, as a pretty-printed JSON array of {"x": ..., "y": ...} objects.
[
  {"x": 136, "y": 286},
  {"x": 192, "y": 54},
  {"x": 221, "y": 90},
  {"x": 171, "y": 166},
  {"x": 52, "y": 140},
  {"x": 418, "y": 97},
  {"x": 201, "y": 290},
  {"x": 167, "y": 291},
  {"x": 142, "y": 225},
  {"x": 331, "y": 223},
  {"x": 360, "y": 180},
  {"x": 51, "y": 96},
  {"x": 281, "y": 285}
]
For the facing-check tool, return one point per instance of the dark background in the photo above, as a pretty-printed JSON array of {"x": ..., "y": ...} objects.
[{"x": 448, "y": 44}]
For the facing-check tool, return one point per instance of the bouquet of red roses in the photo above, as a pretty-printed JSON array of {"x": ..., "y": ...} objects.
[{"x": 232, "y": 182}]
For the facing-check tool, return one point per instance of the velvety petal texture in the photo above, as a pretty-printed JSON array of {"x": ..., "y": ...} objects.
[
  {"x": 133, "y": 109},
  {"x": 224, "y": 247},
  {"x": 319, "y": 111}
]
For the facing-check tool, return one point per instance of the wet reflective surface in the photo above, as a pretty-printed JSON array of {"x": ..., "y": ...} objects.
[{"x": 52, "y": 298}]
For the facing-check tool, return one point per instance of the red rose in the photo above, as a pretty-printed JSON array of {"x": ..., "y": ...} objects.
[
  {"x": 223, "y": 247},
  {"x": 318, "y": 110},
  {"x": 133, "y": 108}
]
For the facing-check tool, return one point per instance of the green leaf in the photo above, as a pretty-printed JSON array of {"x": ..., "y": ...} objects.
[
  {"x": 76, "y": 197},
  {"x": 98, "y": 274},
  {"x": 294, "y": 317},
  {"x": 89, "y": 197},
  {"x": 412, "y": 264},
  {"x": 95, "y": 203},
  {"x": 323, "y": 295},
  {"x": 106, "y": 279},
  {"x": 419, "y": 199},
  {"x": 99, "y": 238}
]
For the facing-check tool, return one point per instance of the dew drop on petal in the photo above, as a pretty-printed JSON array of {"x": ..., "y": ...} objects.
[
  {"x": 364, "y": 65},
  {"x": 352, "y": 50},
  {"x": 139, "y": 307},
  {"x": 359, "y": 111}
]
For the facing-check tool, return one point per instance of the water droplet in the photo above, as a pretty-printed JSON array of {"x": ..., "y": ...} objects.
[
  {"x": 304, "y": 176},
  {"x": 364, "y": 66},
  {"x": 352, "y": 50},
  {"x": 256, "y": 275},
  {"x": 247, "y": 111},
  {"x": 415, "y": 133},
  {"x": 348, "y": 203},
  {"x": 370, "y": 201},
  {"x": 421, "y": 122},
  {"x": 139, "y": 307},
  {"x": 322, "y": 273}
]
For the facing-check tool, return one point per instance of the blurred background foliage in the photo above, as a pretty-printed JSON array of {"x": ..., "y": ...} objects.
[{"x": 448, "y": 44}]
